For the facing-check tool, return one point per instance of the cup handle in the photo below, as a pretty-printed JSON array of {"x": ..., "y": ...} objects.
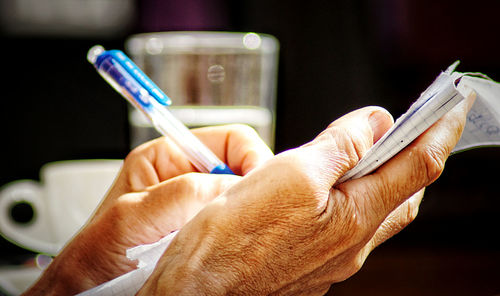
[{"x": 35, "y": 234}]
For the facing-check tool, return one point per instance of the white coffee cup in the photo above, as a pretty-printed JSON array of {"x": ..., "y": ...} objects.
[{"x": 63, "y": 200}]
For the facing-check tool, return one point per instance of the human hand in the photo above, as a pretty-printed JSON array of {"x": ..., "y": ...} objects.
[
  {"x": 238, "y": 146},
  {"x": 156, "y": 192},
  {"x": 284, "y": 228}
]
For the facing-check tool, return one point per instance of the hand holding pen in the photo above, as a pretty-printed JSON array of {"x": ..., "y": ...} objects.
[
  {"x": 153, "y": 195},
  {"x": 126, "y": 78}
]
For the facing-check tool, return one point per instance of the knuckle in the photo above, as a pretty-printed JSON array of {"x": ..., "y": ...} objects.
[
  {"x": 133, "y": 155},
  {"x": 357, "y": 263},
  {"x": 123, "y": 206},
  {"x": 319, "y": 290},
  {"x": 353, "y": 263},
  {"x": 294, "y": 179},
  {"x": 412, "y": 211},
  {"x": 142, "y": 151},
  {"x": 293, "y": 165},
  {"x": 243, "y": 129},
  {"x": 351, "y": 217},
  {"x": 350, "y": 146},
  {"x": 147, "y": 148},
  {"x": 188, "y": 179},
  {"x": 433, "y": 159},
  {"x": 124, "y": 215},
  {"x": 355, "y": 144},
  {"x": 185, "y": 184}
]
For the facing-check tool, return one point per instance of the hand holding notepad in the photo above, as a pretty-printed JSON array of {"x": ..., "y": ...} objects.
[{"x": 449, "y": 89}]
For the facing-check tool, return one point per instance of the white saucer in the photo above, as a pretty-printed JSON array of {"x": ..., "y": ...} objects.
[{"x": 16, "y": 279}]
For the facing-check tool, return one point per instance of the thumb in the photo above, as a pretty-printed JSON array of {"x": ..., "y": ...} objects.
[{"x": 346, "y": 140}]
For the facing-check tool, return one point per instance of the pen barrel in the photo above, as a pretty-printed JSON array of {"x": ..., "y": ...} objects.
[
  {"x": 126, "y": 78},
  {"x": 199, "y": 155}
]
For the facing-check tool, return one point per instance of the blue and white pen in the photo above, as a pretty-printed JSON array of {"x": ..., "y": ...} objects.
[{"x": 126, "y": 78}]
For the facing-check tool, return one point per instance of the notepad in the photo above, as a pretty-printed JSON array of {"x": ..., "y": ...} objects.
[
  {"x": 448, "y": 89},
  {"x": 482, "y": 127}
]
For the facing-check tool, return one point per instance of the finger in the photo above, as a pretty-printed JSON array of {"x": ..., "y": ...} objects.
[
  {"x": 338, "y": 148},
  {"x": 153, "y": 162},
  {"x": 379, "y": 119},
  {"x": 415, "y": 167},
  {"x": 169, "y": 205},
  {"x": 161, "y": 159},
  {"x": 398, "y": 219},
  {"x": 239, "y": 146}
]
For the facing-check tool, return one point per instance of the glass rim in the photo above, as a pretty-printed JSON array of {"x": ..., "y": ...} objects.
[{"x": 171, "y": 42}]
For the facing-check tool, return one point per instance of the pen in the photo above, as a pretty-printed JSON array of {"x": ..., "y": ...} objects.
[{"x": 127, "y": 79}]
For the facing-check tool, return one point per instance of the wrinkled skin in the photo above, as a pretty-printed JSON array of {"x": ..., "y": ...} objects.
[
  {"x": 156, "y": 192},
  {"x": 285, "y": 229},
  {"x": 282, "y": 228}
]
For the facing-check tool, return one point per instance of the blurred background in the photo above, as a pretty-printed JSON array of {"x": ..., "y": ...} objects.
[{"x": 335, "y": 56}]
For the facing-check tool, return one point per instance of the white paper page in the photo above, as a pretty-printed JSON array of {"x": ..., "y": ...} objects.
[
  {"x": 130, "y": 283},
  {"x": 482, "y": 127},
  {"x": 483, "y": 120},
  {"x": 437, "y": 100}
]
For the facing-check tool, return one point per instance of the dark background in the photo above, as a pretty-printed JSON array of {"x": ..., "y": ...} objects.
[{"x": 335, "y": 56}]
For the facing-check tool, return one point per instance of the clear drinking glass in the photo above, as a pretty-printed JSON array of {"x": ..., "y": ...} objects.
[{"x": 212, "y": 78}]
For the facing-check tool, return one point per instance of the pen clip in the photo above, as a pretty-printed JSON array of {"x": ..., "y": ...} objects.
[
  {"x": 126, "y": 78},
  {"x": 101, "y": 58}
]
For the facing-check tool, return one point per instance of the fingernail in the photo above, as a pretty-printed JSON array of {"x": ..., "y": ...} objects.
[{"x": 379, "y": 122}]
